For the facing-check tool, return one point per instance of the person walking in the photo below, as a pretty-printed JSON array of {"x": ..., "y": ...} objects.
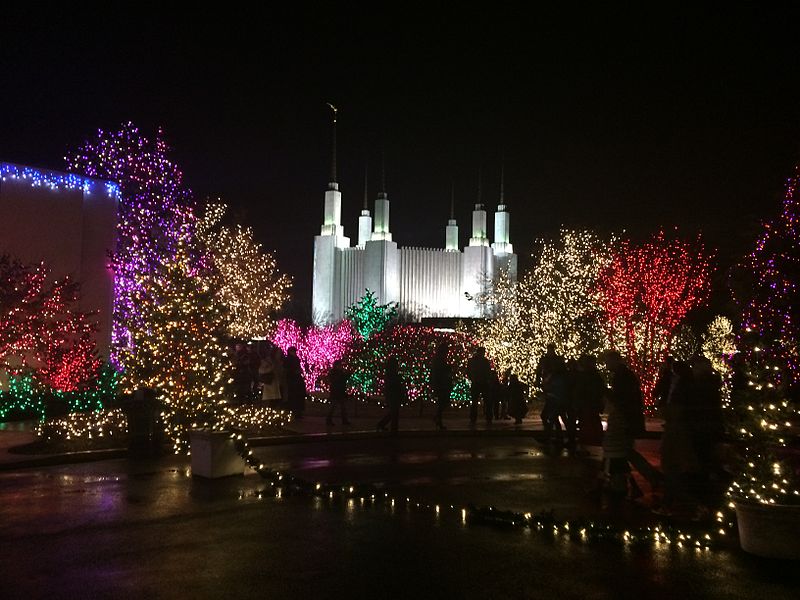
[
  {"x": 590, "y": 389},
  {"x": 517, "y": 399},
  {"x": 707, "y": 422},
  {"x": 550, "y": 378},
  {"x": 679, "y": 460},
  {"x": 626, "y": 395},
  {"x": 479, "y": 374},
  {"x": 337, "y": 380},
  {"x": 394, "y": 391},
  {"x": 441, "y": 382},
  {"x": 295, "y": 383},
  {"x": 268, "y": 377}
]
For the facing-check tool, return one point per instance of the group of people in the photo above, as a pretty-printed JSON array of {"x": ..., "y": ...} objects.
[
  {"x": 573, "y": 393},
  {"x": 500, "y": 398},
  {"x": 263, "y": 373},
  {"x": 688, "y": 396}
]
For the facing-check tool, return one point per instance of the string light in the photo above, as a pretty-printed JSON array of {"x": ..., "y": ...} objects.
[
  {"x": 768, "y": 362},
  {"x": 414, "y": 348},
  {"x": 56, "y": 181},
  {"x": 247, "y": 278},
  {"x": 551, "y": 303},
  {"x": 719, "y": 343},
  {"x": 368, "y": 317},
  {"x": 645, "y": 293},
  {"x": 282, "y": 484}
]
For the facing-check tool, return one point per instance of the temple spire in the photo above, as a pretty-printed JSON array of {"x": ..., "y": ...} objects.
[
  {"x": 480, "y": 181},
  {"x": 452, "y": 199},
  {"x": 502, "y": 180},
  {"x": 332, "y": 183},
  {"x": 366, "y": 186},
  {"x": 382, "y": 190}
]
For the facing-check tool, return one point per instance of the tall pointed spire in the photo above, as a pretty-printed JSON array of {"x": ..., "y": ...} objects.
[
  {"x": 365, "y": 219},
  {"x": 451, "y": 230},
  {"x": 452, "y": 200},
  {"x": 381, "y": 221},
  {"x": 480, "y": 181},
  {"x": 503, "y": 180},
  {"x": 382, "y": 190},
  {"x": 366, "y": 186},
  {"x": 332, "y": 184}
]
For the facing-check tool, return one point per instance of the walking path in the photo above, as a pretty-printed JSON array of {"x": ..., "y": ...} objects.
[{"x": 311, "y": 428}]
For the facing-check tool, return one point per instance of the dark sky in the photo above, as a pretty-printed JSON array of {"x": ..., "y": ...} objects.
[{"x": 620, "y": 118}]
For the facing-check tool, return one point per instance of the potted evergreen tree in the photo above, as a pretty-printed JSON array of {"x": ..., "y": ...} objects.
[{"x": 765, "y": 380}]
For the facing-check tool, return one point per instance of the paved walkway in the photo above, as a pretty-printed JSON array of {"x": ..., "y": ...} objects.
[{"x": 312, "y": 427}]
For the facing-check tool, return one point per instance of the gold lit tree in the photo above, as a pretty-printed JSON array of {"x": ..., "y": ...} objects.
[
  {"x": 247, "y": 278},
  {"x": 552, "y": 303},
  {"x": 183, "y": 354}
]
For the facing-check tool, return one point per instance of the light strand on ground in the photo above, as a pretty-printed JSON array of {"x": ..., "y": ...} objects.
[{"x": 577, "y": 530}]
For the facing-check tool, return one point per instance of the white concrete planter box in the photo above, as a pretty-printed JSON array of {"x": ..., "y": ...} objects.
[
  {"x": 772, "y": 531},
  {"x": 214, "y": 454}
]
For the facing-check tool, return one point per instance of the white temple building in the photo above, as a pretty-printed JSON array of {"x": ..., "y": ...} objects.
[{"x": 425, "y": 282}]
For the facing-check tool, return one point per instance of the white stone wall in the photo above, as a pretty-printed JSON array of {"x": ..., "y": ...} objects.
[{"x": 430, "y": 283}]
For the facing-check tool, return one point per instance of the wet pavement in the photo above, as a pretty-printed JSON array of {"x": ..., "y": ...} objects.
[{"x": 120, "y": 529}]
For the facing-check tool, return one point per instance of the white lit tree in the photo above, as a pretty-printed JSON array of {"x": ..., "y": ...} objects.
[
  {"x": 247, "y": 278},
  {"x": 551, "y": 303}
]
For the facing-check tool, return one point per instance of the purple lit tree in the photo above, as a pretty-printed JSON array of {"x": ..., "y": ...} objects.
[
  {"x": 155, "y": 216},
  {"x": 765, "y": 401}
]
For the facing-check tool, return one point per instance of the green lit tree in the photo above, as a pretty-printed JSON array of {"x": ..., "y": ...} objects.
[{"x": 369, "y": 317}]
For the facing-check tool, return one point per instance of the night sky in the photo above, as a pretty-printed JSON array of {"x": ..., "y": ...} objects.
[{"x": 618, "y": 119}]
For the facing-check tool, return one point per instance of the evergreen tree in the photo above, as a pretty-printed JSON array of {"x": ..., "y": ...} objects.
[{"x": 766, "y": 373}]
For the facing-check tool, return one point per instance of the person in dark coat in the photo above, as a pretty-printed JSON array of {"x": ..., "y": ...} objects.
[
  {"x": 707, "y": 421},
  {"x": 394, "y": 391},
  {"x": 678, "y": 457},
  {"x": 589, "y": 391},
  {"x": 337, "y": 379},
  {"x": 479, "y": 373},
  {"x": 441, "y": 382},
  {"x": 626, "y": 394},
  {"x": 556, "y": 399},
  {"x": 550, "y": 362},
  {"x": 517, "y": 399},
  {"x": 295, "y": 383}
]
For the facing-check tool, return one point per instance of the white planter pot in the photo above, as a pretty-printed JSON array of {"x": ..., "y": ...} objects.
[
  {"x": 769, "y": 530},
  {"x": 214, "y": 454}
]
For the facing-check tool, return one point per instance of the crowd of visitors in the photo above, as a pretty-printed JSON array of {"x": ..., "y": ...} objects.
[
  {"x": 574, "y": 396},
  {"x": 264, "y": 374}
]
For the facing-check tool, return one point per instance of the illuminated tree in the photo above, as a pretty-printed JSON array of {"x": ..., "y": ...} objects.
[
  {"x": 317, "y": 347},
  {"x": 183, "y": 354},
  {"x": 768, "y": 345},
  {"x": 645, "y": 293},
  {"x": 552, "y": 303},
  {"x": 415, "y": 348},
  {"x": 154, "y": 214},
  {"x": 369, "y": 317},
  {"x": 685, "y": 343},
  {"x": 247, "y": 278},
  {"x": 169, "y": 324},
  {"x": 719, "y": 343},
  {"x": 41, "y": 329}
]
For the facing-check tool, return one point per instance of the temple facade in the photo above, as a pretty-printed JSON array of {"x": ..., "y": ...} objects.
[{"x": 425, "y": 282}]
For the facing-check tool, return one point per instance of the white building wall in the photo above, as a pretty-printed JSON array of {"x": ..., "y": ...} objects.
[
  {"x": 478, "y": 273},
  {"x": 430, "y": 282},
  {"x": 352, "y": 269},
  {"x": 326, "y": 281},
  {"x": 382, "y": 270}
]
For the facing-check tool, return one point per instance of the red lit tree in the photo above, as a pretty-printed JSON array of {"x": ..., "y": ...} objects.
[
  {"x": 645, "y": 292},
  {"x": 41, "y": 329}
]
